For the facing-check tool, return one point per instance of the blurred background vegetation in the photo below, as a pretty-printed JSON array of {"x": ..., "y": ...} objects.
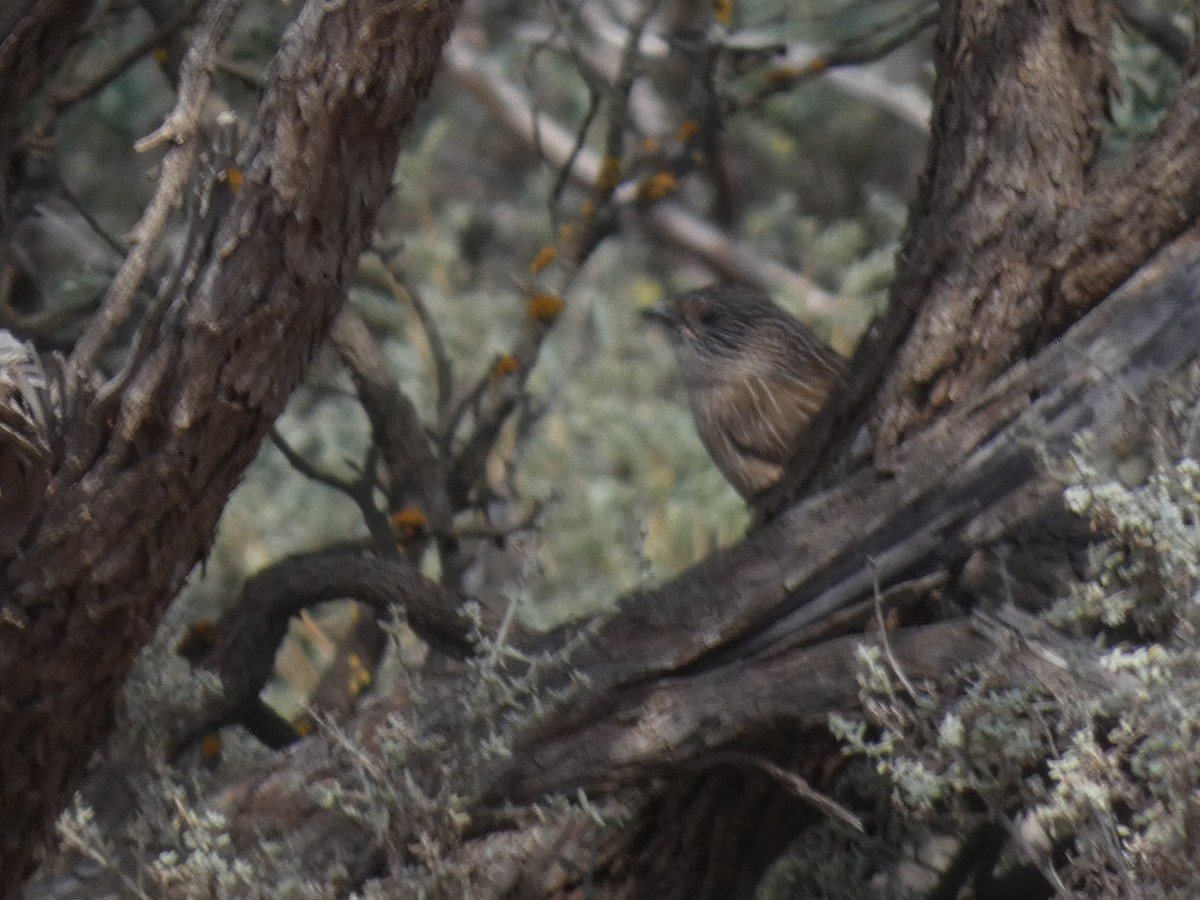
[{"x": 816, "y": 176}]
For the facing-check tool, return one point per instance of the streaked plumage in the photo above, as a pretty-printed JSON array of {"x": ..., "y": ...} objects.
[{"x": 755, "y": 377}]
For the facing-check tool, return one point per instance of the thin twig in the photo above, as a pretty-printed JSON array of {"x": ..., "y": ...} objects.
[
  {"x": 84, "y": 213},
  {"x": 564, "y": 170},
  {"x": 68, "y": 97},
  {"x": 179, "y": 129},
  {"x": 855, "y": 52},
  {"x": 627, "y": 73},
  {"x": 510, "y": 613},
  {"x": 360, "y": 491},
  {"x": 883, "y": 638},
  {"x": 795, "y": 784},
  {"x": 443, "y": 370},
  {"x": 669, "y": 220},
  {"x": 308, "y": 470}
]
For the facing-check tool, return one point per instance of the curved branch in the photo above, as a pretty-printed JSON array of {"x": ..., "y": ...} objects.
[
  {"x": 727, "y": 649},
  {"x": 248, "y": 636}
]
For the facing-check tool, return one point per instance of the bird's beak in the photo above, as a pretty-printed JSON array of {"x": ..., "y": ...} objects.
[{"x": 661, "y": 312}]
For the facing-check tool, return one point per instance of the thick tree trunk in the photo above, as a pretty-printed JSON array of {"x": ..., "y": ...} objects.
[
  {"x": 734, "y": 663},
  {"x": 697, "y": 688},
  {"x": 145, "y": 473},
  {"x": 1010, "y": 243}
]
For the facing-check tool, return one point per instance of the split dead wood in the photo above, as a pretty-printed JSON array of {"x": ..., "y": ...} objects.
[{"x": 729, "y": 647}]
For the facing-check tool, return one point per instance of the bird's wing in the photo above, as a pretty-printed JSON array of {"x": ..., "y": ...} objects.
[{"x": 752, "y": 423}]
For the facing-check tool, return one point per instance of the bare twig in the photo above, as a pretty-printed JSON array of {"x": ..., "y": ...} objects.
[
  {"x": 84, "y": 213},
  {"x": 67, "y": 97},
  {"x": 907, "y": 103},
  {"x": 179, "y": 129},
  {"x": 564, "y": 171},
  {"x": 627, "y": 72},
  {"x": 670, "y": 221},
  {"x": 361, "y": 491},
  {"x": 801, "y": 64},
  {"x": 297, "y": 461},
  {"x": 877, "y": 596},
  {"x": 796, "y": 785},
  {"x": 403, "y": 291}
]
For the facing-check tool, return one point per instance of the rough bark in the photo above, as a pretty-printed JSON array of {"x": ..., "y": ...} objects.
[
  {"x": 134, "y": 502},
  {"x": 755, "y": 646},
  {"x": 1019, "y": 99},
  {"x": 1015, "y": 238},
  {"x": 1012, "y": 241}
]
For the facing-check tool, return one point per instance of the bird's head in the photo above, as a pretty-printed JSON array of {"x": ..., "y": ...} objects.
[{"x": 714, "y": 326}]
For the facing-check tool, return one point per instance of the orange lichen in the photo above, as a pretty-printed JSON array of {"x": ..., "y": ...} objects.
[
  {"x": 198, "y": 640},
  {"x": 544, "y": 307},
  {"x": 408, "y": 522},
  {"x": 234, "y": 176},
  {"x": 723, "y": 12},
  {"x": 687, "y": 131},
  {"x": 160, "y": 55},
  {"x": 544, "y": 257},
  {"x": 210, "y": 747},
  {"x": 505, "y": 365},
  {"x": 360, "y": 678},
  {"x": 610, "y": 174},
  {"x": 785, "y": 75},
  {"x": 657, "y": 186},
  {"x": 649, "y": 145}
]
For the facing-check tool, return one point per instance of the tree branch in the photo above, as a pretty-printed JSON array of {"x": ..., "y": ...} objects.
[
  {"x": 996, "y": 187},
  {"x": 727, "y": 649},
  {"x": 668, "y": 220},
  {"x": 144, "y": 480}
]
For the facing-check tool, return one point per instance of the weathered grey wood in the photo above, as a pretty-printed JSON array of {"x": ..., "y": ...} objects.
[{"x": 708, "y": 659}]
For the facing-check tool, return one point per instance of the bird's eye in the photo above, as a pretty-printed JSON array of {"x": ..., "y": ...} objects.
[{"x": 708, "y": 317}]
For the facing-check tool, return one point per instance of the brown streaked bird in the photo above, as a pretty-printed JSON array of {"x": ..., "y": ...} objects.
[{"x": 755, "y": 376}]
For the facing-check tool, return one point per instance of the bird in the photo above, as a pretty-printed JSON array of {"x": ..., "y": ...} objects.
[{"x": 754, "y": 374}]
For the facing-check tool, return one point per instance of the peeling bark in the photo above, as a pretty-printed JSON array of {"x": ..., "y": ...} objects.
[{"x": 133, "y": 504}]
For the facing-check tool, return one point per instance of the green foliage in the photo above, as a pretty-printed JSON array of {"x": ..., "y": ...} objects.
[{"x": 1146, "y": 79}]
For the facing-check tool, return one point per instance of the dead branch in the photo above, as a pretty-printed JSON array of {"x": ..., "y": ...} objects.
[
  {"x": 668, "y": 220},
  {"x": 414, "y": 472},
  {"x": 727, "y": 648},
  {"x": 799, "y": 64},
  {"x": 247, "y": 637},
  {"x": 66, "y": 97}
]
